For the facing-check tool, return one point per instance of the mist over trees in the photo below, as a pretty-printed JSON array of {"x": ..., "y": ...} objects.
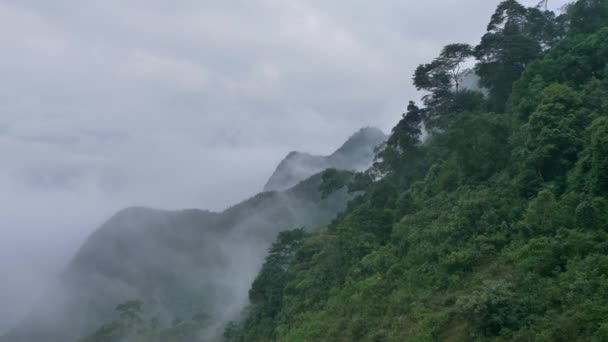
[
  {"x": 157, "y": 275},
  {"x": 484, "y": 216},
  {"x": 492, "y": 227}
]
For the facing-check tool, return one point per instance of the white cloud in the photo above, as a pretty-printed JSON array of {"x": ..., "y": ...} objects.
[{"x": 143, "y": 66}]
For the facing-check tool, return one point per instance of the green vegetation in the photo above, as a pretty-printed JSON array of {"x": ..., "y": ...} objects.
[
  {"x": 133, "y": 327},
  {"x": 493, "y": 228}
]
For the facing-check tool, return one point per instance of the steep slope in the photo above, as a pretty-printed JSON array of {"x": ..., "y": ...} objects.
[
  {"x": 493, "y": 229},
  {"x": 179, "y": 263},
  {"x": 356, "y": 154}
]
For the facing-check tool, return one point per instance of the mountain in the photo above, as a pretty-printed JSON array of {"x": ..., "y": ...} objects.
[
  {"x": 180, "y": 263},
  {"x": 356, "y": 154},
  {"x": 494, "y": 228}
]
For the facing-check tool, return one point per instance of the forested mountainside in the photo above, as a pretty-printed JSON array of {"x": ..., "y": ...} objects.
[
  {"x": 357, "y": 154},
  {"x": 179, "y": 264},
  {"x": 495, "y": 227}
]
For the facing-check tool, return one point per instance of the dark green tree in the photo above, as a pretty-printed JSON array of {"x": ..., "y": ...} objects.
[
  {"x": 586, "y": 16},
  {"x": 599, "y": 157},
  {"x": 555, "y": 132},
  {"x": 266, "y": 293},
  {"x": 442, "y": 77},
  {"x": 333, "y": 180},
  {"x": 479, "y": 142},
  {"x": 505, "y": 51},
  {"x": 401, "y": 153}
]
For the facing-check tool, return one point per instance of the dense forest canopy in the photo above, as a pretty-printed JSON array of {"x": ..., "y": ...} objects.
[{"x": 493, "y": 227}]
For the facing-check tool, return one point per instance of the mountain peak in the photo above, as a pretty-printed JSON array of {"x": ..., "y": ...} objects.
[
  {"x": 364, "y": 138},
  {"x": 355, "y": 154}
]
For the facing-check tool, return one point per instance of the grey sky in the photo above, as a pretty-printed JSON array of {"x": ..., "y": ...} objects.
[{"x": 183, "y": 103}]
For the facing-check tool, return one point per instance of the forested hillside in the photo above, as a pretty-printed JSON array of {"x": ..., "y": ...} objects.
[{"x": 495, "y": 227}]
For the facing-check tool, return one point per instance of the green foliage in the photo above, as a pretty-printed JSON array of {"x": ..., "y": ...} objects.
[
  {"x": 592, "y": 214},
  {"x": 550, "y": 142},
  {"x": 587, "y": 16},
  {"x": 578, "y": 61},
  {"x": 479, "y": 143},
  {"x": 441, "y": 80},
  {"x": 132, "y": 326},
  {"x": 598, "y": 155},
  {"x": 492, "y": 308},
  {"x": 493, "y": 228},
  {"x": 554, "y": 132},
  {"x": 333, "y": 180},
  {"x": 442, "y": 76},
  {"x": 403, "y": 144},
  {"x": 505, "y": 50},
  {"x": 266, "y": 293}
]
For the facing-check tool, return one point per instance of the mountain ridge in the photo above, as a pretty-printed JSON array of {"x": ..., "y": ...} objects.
[
  {"x": 174, "y": 260},
  {"x": 356, "y": 154}
]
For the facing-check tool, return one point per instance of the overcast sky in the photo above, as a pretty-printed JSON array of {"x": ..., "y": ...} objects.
[{"x": 184, "y": 103}]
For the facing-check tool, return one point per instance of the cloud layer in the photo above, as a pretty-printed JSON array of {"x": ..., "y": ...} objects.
[{"x": 175, "y": 104}]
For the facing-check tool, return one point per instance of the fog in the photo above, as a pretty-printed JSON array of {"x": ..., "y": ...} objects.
[{"x": 185, "y": 104}]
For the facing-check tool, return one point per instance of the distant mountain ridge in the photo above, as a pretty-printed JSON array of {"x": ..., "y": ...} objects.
[
  {"x": 356, "y": 154},
  {"x": 182, "y": 262}
]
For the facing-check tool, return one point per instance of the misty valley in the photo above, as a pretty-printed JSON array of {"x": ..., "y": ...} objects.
[
  {"x": 187, "y": 273},
  {"x": 481, "y": 216}
]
